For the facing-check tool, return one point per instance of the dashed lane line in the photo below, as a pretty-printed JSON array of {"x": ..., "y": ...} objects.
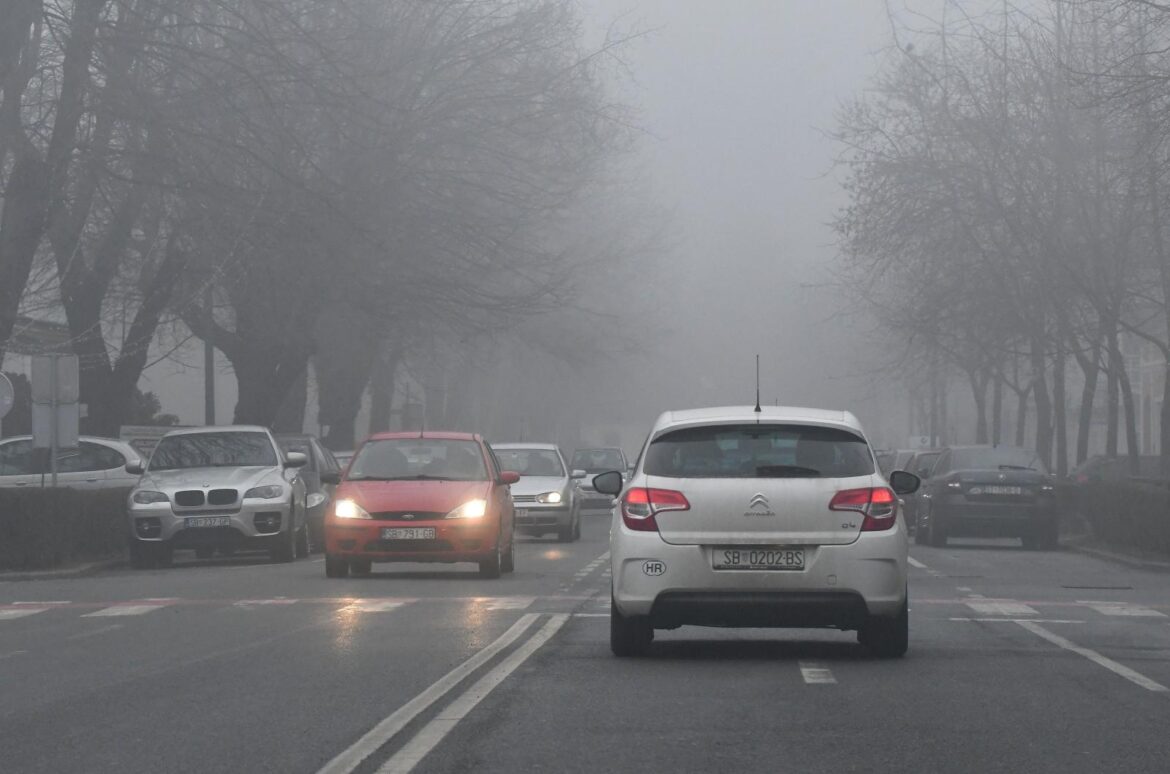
[
  {"x": 352, "y": 757},
  {"x": 127, "y": 609},
  {"x": 1123, "y": 609},
  {"x": 1135, "y": 677},
  {"x": 430, "y": 735},
  {"x": 1003, "y": 608},
  {"x": 21, "y": 612},
  {"x": 815, "y": 673}
]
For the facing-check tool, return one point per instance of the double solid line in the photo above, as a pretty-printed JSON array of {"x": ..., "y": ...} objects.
[{"x": 427, "y": 738}]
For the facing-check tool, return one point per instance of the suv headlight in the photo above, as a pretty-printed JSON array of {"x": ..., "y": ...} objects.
[
  {"x": 270, "y": 492},
  {"x": 472, "y": 509},
  {"x": 349, "y": 509},
  {"x": 147, "y": 496},
  {"x": 550, "y": 498}
]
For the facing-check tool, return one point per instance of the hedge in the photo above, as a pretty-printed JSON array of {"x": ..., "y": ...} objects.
[
  {"x": 1132, "y": 513},
  {"x": 45, "y": 528}
]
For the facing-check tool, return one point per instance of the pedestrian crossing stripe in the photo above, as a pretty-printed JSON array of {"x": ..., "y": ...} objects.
[
  {"x": 125, "y": 609},
  {"x": 1001, "y": 607},
  {"x": 1123, "y": 609}
]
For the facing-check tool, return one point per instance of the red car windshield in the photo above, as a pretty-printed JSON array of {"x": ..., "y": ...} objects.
[{"x": 406, "y": 459}]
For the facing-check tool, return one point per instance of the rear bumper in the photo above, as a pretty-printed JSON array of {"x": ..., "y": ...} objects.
[
  {"x": 966, "y": 519},
  {"x": 452, "y": 542},
  {"x": 839, "y": 587}
]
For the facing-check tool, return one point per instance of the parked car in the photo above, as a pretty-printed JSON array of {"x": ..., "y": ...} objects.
[
  {"x": 893, "y": 459},
  {"x": 546, "y": 497},
  {"x": 343, "y": 458},
  {"x": 319, "y": 494},
  {"x": 421, "y": 497},
  {"x": 989, "y": 491},
  {"x": 920, "y": 464},
  {"x": 1101, "y": 467},
  {"x": 96, "y": 463},
  {"x": 776, "y": 517},
  {"x": 212, "y": 488},
  {"x": 594, "y": 461}
]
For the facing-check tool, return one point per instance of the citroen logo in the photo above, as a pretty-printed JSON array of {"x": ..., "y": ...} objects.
[{"x": 759, "y": 501}]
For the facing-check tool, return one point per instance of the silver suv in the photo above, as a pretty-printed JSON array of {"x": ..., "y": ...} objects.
[
  {"x": 758, "y": 518},
  {"x": 212, "y": 488}
]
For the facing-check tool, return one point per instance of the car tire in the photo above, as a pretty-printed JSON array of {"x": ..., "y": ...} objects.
[
  {"x": 336, "y": 567},
  {"x": 919, "y": 534},
  {"x": 628, "y": 636},
  {"x": 285, "y": 549},
  {"x": 204, "y": 552},
  {"x": 141, "y": 556},
  {"x": 577, "y": 527},
  {"x": 303, "y": 546},
  {"x": 937, "y": 536},
  {"x": 361, "y": 568},
  {"x": 888, "y": 637},
  {"x": 490, "y": 568},
  {"x": 508, "y": 562}
]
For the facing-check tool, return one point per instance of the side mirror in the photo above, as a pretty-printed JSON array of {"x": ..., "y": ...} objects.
[
  {"x": 509, "y": 477},
  {"x": 315, "y": 499},
  {"x": 135, "y": 467},
  {"x": 331, "y": 477},
  {"x": 608, "y": 483},
  {"x": 295, "y": 460},
  {"x": 904, "y": 483},
  {"x": 578, "y": 474}
]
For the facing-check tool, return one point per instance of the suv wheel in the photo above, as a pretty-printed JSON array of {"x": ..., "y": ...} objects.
[
  {"x": 285, "y": 549},
  {"x": 336, "y": 567},
  {"x": 628, "y": 636},
  {"x": 888, "y": 637}
]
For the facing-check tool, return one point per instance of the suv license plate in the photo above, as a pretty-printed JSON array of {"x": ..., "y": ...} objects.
[
  {"x": 745, "y": 558},
  {"x": 208, "y": 521},
  {"x": 408, "y": 533}
]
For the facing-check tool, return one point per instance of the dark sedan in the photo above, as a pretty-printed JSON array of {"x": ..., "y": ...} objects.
[
  {"x": 989, "y": 491},
  {"x": 320, "y": 494}
]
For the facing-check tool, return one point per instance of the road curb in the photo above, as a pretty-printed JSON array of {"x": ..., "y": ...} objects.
[
  {"x": 76, "y": 571},
  {"x": 1114, "y": 555}
]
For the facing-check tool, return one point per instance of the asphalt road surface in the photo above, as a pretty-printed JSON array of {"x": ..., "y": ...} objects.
[{"x": 1019, "y": 662}]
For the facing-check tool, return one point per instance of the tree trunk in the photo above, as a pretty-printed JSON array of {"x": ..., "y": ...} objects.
[
  {"x": 382, "y": 390},
  {"x": 1060, "y": 412},
  {"x": 1113, "y": 403},
  {"x": 1022, "y": 415},
  {"x": 290, "y": 418},
  {"x": 22, "y": 225},
  {"x": 1091, "y": 369},
  {"x": 1164, "y": 424},
  {"x": 1043, "y": 402},
  {"x": 979, "y": 393},
  {"x": 997, "y": 410}
]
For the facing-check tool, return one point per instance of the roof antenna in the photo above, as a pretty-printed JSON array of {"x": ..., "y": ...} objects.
[{"x": 758, "y": 410}]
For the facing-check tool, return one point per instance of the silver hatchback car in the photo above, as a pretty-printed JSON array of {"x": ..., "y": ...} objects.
[
  {"x": 777, "y": 517},
  {"x": 223, "y": 488}
]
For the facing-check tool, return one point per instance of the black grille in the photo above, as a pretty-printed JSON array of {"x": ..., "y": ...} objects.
[
  {"x": 408, "y": 515},
  {"x": 221, "y": 496},
  {"x": 523, "y": 498},
  {"x": 267, "y": 521},
  {"x": 408, "y": 546},
  {"x": 189, "y": 498}
]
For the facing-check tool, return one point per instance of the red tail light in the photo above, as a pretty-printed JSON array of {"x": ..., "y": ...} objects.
[
  {"x": 878, "y": 504},
  {"x": 640, "y": 505}
]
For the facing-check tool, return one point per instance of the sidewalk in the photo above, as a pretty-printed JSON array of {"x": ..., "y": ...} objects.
[{"x": 71, "y": 571}]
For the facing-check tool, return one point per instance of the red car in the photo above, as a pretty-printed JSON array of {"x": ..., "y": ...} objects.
[{"x": 421, "y": 497}]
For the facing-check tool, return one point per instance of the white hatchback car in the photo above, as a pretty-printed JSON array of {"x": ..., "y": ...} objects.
[{"x": 770, "y": 518}]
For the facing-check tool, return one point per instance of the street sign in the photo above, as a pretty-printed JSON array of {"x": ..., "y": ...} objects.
[
  {"x": 56, "y": 414},
  {"x": 7, "y": 396}
]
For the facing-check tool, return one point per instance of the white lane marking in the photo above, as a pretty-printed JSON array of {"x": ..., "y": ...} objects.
[
  {"x": 976, "y": 596},
  {"x": 1123, "y": 609},
  {"x": 1002, "y": 607},
  {"x": 816, "y": 674},
  {"x": 126, "y": 609},
  {"x": 1017, "y": 620},
  {"x": 591, "y": 615},
  {"x": 915, "y": 563},
  {"x": 45, "y": 602},
  {"x": 95, "y": 632},
  {"x": 376, "y": 605},
  {"x": 21, "y": 612},
  {"x": 507, "y": 603},
  {"x": 964, "y": 588},
  {"x": 1134, "y": 677},
  {"x": 430, "y": 735},
  {"x": 12, "y": 653},
  {"x": 261, "y": 602},
  {"x": 351, "y": 758}
]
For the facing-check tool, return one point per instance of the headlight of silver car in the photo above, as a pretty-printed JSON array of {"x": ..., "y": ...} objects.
[
  {"x": 270, "y": 492},
  {"x": 550, "y": 498},
  {"x": 147, "y": 496}
]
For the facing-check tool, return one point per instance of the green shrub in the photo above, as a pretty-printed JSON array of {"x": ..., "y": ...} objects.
[
  {"x": 45, "y": 528},
  {"x": 1129, "y": 513}
]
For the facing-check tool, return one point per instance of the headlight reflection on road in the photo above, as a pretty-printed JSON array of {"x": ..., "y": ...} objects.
[
  {"x": 346, "y": 619},
  {"x": 553, "y": 554}
]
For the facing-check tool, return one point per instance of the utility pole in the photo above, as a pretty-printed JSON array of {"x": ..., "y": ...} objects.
[{"x": 208, "y": 364}]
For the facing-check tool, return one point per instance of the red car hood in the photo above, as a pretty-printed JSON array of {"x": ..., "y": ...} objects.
[{"x": 439, "y": 496}]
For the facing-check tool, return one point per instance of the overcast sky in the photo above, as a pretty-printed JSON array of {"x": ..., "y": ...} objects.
[{"x": 736, "y": 97}]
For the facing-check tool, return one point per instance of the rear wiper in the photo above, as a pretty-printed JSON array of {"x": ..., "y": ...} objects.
[
  {"x": 1015, "y": 467},
  {"x": 786, "y": 471}
]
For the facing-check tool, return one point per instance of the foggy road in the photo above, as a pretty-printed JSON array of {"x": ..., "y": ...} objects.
[{"x": 1019, "y": 661}]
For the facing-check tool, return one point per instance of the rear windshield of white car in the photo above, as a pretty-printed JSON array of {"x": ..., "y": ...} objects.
[
  {"x": 758, "y": 451},
  {"x": 213, "y": 450},
  {"x": 420, "y": 459},
  {"x": 531, "y": 462}
]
